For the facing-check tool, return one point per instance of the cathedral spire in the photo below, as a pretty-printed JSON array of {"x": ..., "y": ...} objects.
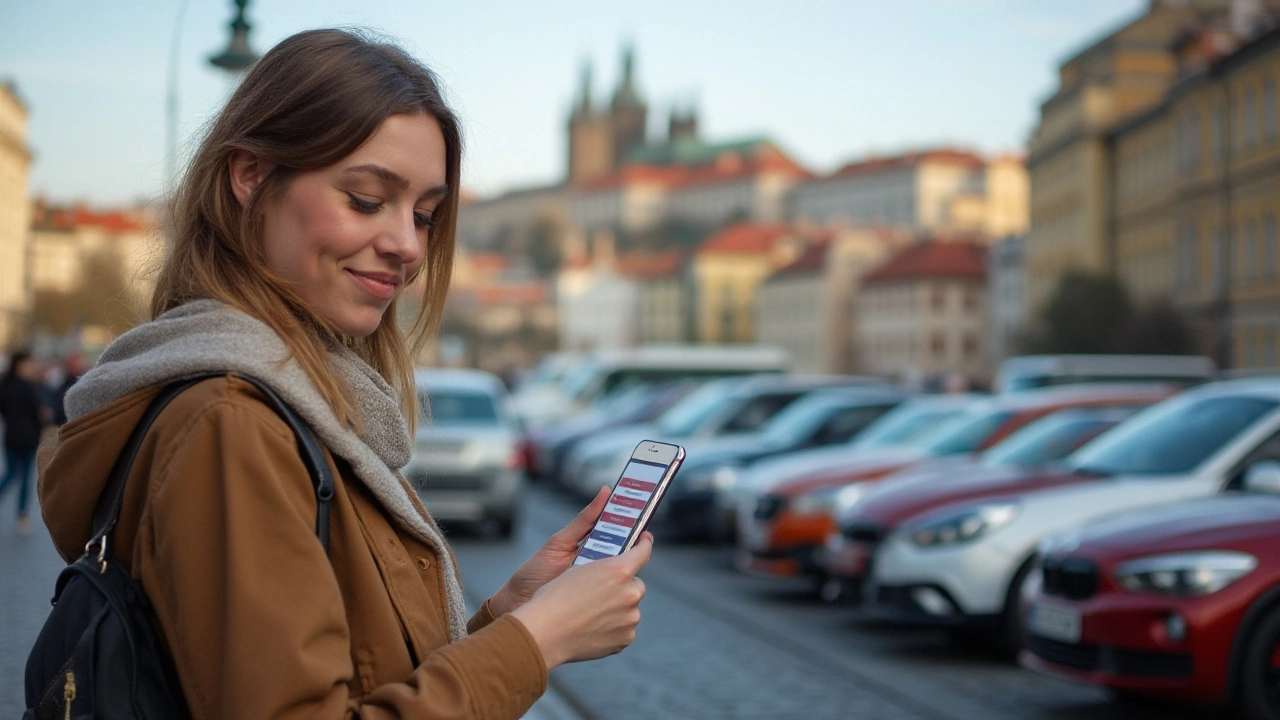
[
  {"x": 626, "y": 94},
  {"x": 583, "y": 106}
]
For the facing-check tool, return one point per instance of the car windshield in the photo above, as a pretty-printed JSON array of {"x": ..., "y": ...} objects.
[
  {"x": 460, "y": 407},
  {"x": 1047, "y": 440},
  {"x": 794, "y": 423},
  {"x": 901, "y": 426},
  {"x": 1171, "y": 438},
  {"x": 966, "y": 432},
  {"x": 694, "y": 409}
]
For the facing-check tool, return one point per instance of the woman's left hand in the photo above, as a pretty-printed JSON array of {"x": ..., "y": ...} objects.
[{"x": 553, "y": 558}]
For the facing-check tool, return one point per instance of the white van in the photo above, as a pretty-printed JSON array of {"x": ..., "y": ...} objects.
[
  {"x": 605, "y": 371},
  {"x": 1037, "y": 371}
]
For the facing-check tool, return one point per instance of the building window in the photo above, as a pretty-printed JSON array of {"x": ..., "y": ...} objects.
[
  {"x": 1250, "y": 267},
  {"x": 1269, "y": 109},
  {"x": 1188, "y": 249},
  {"x": 970, "y": 346},
  {"x": 1250, "y": 118},
  {"x": 938, "y": 345},
  {"x": 1267, "y": 267},
  {"x": 1218, "y": 129},
  {"x": 939, "y": 298}
]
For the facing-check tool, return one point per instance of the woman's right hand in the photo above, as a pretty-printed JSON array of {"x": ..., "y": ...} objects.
[{"x": 589, "y": 611}]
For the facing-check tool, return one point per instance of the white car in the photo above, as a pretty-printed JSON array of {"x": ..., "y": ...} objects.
[
  {"x": 466, "y": 463},
  {"x": 958, "y": 553},
  {"x": 895, "y": 429}
]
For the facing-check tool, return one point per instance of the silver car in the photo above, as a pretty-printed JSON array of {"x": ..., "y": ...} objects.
[{"x": 466, "y": 463}]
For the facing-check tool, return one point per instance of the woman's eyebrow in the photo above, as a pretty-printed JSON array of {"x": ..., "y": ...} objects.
[{"x": 394, "y": 178}]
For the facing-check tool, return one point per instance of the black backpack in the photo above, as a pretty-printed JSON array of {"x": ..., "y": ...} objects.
[{"x": 98, "y": 655}]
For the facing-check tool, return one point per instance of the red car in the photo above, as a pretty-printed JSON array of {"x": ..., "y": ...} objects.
[
  {"x": 1181, "y": 601},
  {"x": 784, "y": 534}
]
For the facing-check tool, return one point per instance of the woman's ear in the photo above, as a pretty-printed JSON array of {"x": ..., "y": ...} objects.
[{"x": 247, "y": 171}]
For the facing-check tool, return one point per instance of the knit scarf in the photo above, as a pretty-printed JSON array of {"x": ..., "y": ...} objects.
[{"x": 208, "y": 336}]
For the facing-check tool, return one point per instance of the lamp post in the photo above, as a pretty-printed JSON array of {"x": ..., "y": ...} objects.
[{"x": 238, "y": 56}]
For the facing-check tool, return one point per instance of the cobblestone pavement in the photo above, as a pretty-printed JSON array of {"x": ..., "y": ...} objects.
[{"x": 713, "y": 644}]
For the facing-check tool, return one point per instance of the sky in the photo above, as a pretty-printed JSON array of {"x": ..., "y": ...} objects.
[{"x": 828, "y": 80}]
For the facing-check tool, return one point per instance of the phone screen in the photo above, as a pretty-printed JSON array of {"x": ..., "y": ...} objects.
[{"x": 618, "y": 521}]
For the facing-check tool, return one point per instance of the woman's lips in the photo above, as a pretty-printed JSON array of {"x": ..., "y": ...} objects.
[{"x": 376, "y": 284}]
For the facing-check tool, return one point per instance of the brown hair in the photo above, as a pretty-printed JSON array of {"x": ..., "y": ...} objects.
[{"x": 309, "y": 102}]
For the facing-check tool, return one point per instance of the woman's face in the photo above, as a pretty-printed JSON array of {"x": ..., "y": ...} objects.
[{"x": 348, "y": 236}]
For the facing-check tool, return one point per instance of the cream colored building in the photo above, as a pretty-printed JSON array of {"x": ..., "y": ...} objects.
[
  {"x": 93, "y": 270},
  {"x": 728, "y": 269},
  {"x": 15, "y": 159},
  {"x": 664, "y": 291},
  {"x": 942, "y": 190},
  {"x": 922, "y": 314},
  {"x": 809, "y": 305},
  {"x": 1116, "y": 79}
]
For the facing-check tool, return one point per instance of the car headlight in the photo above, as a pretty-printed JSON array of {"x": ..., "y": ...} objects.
[
  {"x": 963, "y": 526},
  {"x": 1187, "y": 574},
  {"x": 719, "y": 479},
  {"x": 828, "y": 501}
]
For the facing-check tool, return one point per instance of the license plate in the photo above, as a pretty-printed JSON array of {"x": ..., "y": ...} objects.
[{"x": 1055, "y": 623}]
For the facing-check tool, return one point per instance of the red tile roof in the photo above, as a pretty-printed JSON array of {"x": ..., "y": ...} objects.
[
  {"x": 493, "y": 262},
  {"x": 745, "y": 239},
  {"x": 70, "y": 218},
  {"x": 810, "y": 262},
  {"x": 726, "y": 168},
  {"x": 650, "y": 265},
  {"x": 959, "y": 259},
  {"x": 946, "y": 156}
]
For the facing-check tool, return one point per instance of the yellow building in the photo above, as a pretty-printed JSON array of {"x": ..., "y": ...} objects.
[
  {"x": 1122, "y": 75},
  {"x": 1197, "y": 187},
  {"x": 15, "y": 159},
  {"x": 728, "y": 269},
  {"x": 90, "y": 270}
]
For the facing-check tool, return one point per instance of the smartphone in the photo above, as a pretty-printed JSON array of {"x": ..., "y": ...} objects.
[{"x": 636, "y": 494}]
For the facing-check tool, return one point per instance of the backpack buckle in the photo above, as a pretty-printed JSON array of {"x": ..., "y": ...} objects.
[{"x": 101, "y": 543}]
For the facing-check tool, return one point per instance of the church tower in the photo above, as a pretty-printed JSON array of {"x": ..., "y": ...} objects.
[
  {"x": 628, "y": 111},
  {"x": 600, "y": 139},
  {"x": 590, "y": 136}
]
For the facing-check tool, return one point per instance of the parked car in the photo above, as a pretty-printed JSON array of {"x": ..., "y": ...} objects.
[
  {"x": 466, "y": 457},
  {"x": 901, "y": 427},
  {"x": 1177, "y": 602},
  {"x": 820, "y": 418},
  {"x": 1027, "y": 453},
  {"x": 782, "y": 532},
  {"x": 548, "y": 447},
  {"x": 725, "y": 407},
  {"x": 1036, "y": 371},
  {"x": 603, "y": 372},
  {"x": 958, "y": 554}
]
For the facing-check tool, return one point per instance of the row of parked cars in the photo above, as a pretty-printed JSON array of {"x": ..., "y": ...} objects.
[{"x": 1109, "y": 528}]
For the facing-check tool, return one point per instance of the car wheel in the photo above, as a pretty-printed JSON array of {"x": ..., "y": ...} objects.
[
  {"x": 1016, "y": 604},
  {"x": 1260, "y": 676}
]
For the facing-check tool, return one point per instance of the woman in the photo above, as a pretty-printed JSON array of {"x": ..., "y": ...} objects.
[
  {"x": 24, "y": 414},
  {"x": 327, "y": 186}
]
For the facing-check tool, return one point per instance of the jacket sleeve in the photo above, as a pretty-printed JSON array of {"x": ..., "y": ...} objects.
[{"x": 249, "y": 604}]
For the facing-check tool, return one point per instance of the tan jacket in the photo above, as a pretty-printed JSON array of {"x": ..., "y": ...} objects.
[{"x": 219, "y": 527}]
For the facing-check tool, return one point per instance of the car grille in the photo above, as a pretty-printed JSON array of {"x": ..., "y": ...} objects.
[
  {"x": 1129, "y": 663},
  {"x": 1069, "y": 577},
  {"x": 443, "y": 481},
  {"x": 768, "y": 506},
  {"x": 863, "y": 532}
]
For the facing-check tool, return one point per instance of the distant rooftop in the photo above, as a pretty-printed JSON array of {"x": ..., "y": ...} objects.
[{"x": 959, "y": 259}]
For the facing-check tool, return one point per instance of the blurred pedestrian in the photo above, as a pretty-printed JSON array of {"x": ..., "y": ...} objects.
[
  {"x": 24, "y": 413},
  {"x": 327, "y": 185},
  {"x": 73, "y": 367}
]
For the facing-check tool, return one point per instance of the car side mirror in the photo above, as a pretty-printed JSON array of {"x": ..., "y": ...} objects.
[{"x": 1264, "y": 477}]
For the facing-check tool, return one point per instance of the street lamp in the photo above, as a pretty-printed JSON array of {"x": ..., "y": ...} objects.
[{"x": 238, "y": 56}]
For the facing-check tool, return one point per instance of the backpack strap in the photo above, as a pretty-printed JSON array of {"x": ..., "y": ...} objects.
[{"x": 106, "y": 512}]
